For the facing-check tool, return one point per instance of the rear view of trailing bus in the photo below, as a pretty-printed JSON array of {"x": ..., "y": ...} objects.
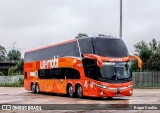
[{"x": 89, "y": 66}]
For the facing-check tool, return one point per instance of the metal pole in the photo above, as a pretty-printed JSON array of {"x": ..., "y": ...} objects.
[
  {"x": 14, "y": 44},
  {"x": 120, "y": 29}
]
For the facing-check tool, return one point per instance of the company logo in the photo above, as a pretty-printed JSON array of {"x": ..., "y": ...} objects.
[
  {"x": 46, "y": 64},
  {"x": 115, "y": 59}
]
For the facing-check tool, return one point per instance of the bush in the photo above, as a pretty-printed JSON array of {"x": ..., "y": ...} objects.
[
  {"x": 21, "y": 82},
  {"x": 1, "y": 73},
  {"x": 11, "y": 71},
  {"x": 17, "y": 69}
]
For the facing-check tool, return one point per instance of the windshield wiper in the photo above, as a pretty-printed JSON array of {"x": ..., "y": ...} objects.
[
  {"x": 104, "y": 79},
  {"x": 114, "y": 77}
]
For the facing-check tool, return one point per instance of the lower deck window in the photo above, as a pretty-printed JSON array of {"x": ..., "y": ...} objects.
[{"x": 59, "y": 73}]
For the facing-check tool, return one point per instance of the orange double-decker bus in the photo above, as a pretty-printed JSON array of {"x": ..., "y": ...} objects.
[{"x": 89, "y": 66}]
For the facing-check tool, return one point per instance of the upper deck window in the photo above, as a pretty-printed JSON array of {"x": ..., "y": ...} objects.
[{"x": 110, "y": 47}]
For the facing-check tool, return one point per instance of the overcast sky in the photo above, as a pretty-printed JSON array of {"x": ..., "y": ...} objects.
[{"x": 36, "y": 23}]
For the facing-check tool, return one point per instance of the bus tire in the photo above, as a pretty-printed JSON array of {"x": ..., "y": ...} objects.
[
  {"x": 70, "y": 91},
  {"x": 110, "y": 98},
  {"x": 79, "y": 91},
  {"x": 32, "y": 87},
  {"x": 37, "y": 89}
]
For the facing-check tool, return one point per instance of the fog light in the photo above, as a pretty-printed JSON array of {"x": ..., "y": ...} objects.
[
  {"x": 91, "y": 85},
  {"x": 130, "y": 91}
]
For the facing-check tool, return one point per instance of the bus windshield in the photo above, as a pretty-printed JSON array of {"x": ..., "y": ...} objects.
[
  {"x": 110, "y": 72},
  {"x": 110, "y": 47},
  {"x": 114, "y": 71}
]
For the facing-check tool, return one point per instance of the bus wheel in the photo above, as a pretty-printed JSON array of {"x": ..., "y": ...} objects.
[
  {"x": 79, "y": 91},
  {"x": 70, "y": 91},
  {"x": 32, "y": 87},
  {"x": 37, "y": 90}
]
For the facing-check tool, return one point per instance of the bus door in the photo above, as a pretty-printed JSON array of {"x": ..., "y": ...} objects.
[{"x": 92, "y": 74}]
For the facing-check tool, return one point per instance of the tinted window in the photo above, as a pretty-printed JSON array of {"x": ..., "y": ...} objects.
[
  {"x": 111, "y": 47},
  {"x": 91, "y": 69},
  {"x": 41, "y": 74},
  {"x": 72, "y": 73},
  {"x": 25, "y": 75},
  {"x": 67, "y": 49},
  {"x": 85, "y": 45},
  {"x": 59, "y": 73},
  {"x": 49, "y": 73}
]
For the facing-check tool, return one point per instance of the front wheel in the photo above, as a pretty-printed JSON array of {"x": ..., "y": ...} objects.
[
  {"x": 70, "y": 91},
  {"x": 79, "y": 91}
]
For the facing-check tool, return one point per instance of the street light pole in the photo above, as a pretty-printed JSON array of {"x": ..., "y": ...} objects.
[
  {"x": 120, "y": 27},
  {"x": 14, "y": 44}
]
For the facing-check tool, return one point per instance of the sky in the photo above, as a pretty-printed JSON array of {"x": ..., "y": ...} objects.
[{"x": 29, "y": 24}]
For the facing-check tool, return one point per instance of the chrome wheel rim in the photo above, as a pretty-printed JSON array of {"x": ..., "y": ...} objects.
[
  {"x": 32, "y": 88},
  {"x": 79, "y": 91},
  {"x": 37, "y": 89},
  {"x": 70, "y": 91}
]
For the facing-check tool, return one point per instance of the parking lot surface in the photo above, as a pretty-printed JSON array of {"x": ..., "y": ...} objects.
[{"x": 17, "y": 95}]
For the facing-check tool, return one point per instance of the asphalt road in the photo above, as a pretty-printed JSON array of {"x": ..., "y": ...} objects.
[{"x": 13, "y": 95}]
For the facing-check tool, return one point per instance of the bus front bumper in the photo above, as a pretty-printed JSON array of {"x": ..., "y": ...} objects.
[{"x": 110, "y": 91}]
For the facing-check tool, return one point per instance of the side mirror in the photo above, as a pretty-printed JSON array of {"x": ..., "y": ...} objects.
[
  {"x": 138, "y": 59},
  {"x": 95, "y": 57}
]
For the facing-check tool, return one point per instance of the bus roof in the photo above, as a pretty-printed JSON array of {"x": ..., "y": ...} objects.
[
  {"x": 102, "y": 46},
  {"x": 50, "y": 45}
]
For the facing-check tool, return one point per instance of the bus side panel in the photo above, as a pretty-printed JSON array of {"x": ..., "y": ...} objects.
[
  {"x": 42, "y": 85},
  {"x": 59, "y": 86},
  {"x": 53, "y": 85},
  {"x": 27, "y": 78},
  {"x": 26, "y": 81}
]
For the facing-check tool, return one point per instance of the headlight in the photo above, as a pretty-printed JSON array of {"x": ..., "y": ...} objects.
[
  {"x": 129, "y": 86},
  {"x": 104, "y": 87}
]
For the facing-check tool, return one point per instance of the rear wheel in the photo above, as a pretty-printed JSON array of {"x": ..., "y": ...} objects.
[
  {"x": 79, "y": 91},
  {"x": 37, "y": 90},
  {"x": 70, "y": 91},
  {"x": 32, "y": 87}
]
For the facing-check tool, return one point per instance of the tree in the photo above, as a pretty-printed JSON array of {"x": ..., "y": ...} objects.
[
  {"x": 2, "y": 53},
  {"x": 1, "y": 73},
  {"x": 102, "y": 35},
  {"x": 17, "y": 69},
  {"x": 19, "y": 66},
  {"x": 150, "y": 55},
  {"x": 80, "y": 35},
  {"x": 154, "y": 60},
  {"x": 14, "y": 55},
  {"x": 12, "y": 71}
]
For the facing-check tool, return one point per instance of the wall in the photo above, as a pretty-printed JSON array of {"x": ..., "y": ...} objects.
[{"x": 11, "y": 79}]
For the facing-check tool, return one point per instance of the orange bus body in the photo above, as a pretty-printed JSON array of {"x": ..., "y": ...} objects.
[{"x": 68, "y": 64}]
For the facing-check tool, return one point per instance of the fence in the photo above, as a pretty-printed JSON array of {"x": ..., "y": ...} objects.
[
  {"x": 146, "y": 79},
  {"x": 11, "y": 79}
]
